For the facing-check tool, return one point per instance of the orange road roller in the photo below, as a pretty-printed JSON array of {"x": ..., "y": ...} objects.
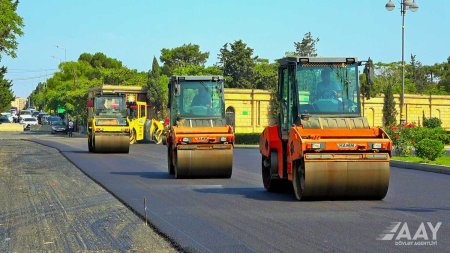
[
  {"x": 199, "y": 141},
  {"x": 321, "y": 144}
]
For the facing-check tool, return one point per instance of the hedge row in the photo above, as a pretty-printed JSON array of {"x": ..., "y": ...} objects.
[{"x": 251, "y": 138}]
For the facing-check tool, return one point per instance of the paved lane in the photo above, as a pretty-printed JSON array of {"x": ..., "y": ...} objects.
[{"x": 238, "y": 215}]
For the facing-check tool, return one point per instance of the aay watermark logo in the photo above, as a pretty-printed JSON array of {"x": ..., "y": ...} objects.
[{"x": 403, "y": 235}]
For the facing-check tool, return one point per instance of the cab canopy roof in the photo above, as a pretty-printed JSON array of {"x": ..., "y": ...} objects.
[
  {"x": 196, "y": 78},
  {"x": 318, "y": 60},
  {"x": 117, "y": 89}
]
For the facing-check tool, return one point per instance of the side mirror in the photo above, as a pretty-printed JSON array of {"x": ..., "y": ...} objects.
[{"x": 369, "y": 71}]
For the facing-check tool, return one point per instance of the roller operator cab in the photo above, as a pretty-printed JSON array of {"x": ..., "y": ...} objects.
[
  {"x": 107, "y": 129},
  {"x": 199, "y": 140},
  {"x": 322, "y": 144}
]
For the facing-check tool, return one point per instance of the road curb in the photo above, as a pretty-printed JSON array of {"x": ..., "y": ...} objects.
[{"x": 421, "y": 166}]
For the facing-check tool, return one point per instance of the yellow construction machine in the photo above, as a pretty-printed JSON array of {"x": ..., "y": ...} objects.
[
  {"x": 116, "y": 113},
  {"x": 107, "y": 128}
]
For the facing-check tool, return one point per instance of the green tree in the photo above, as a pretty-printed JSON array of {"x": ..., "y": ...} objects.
[
  {"x": 443, "y": 74},
  {"x": 157, "y": 90},
  {"x": 11, "y": 25},
  {"x": 68, "y": 87},
  {"x": 238, "y": 65},
  {"x": 100, "y": 60},
  {"x": 182, "y": 56},
  {"x": 417, "y": 73},
  {"x": 196, "y": 70},
  {"x": 6, "y": 94},
  {"x": 265, "y": 75},
  {"x": 389, "y": 111},
  {"x": 307, "y": 47}
]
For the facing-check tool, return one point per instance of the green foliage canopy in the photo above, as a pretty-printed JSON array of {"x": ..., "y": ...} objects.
[
  {"x": 238, "y": 65},
  {"x": 11, "y": 25},
  {"x": 183, "y": 56},
  {"x": 6, "y": 94}
]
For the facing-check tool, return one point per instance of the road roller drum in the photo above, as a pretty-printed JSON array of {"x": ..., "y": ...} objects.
[
  {"x": 204, "y": 163},
  {"x": 111, "y": 144},
  {"x": 342, "y": 179}
]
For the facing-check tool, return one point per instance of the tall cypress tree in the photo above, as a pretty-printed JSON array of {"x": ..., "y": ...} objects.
[
  {"x": 307, "y": 47},
  {"x": 155, "y": 92},
  {"x": 389, "y": 111},
  {"x": 6, "y": 94}
]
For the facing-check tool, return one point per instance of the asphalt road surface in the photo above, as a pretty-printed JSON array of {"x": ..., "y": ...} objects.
[{"x": 238, "y": 215}]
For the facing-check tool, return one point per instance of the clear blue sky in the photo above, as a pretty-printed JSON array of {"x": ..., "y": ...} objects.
[{"x": 134, "y": 31}]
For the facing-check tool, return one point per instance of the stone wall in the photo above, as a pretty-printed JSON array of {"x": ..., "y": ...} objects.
[{"x": 252, "y": 109}]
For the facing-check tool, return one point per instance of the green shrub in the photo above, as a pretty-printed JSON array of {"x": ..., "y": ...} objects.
[
  {"x": 432, "y": 122},
  {"x": 429, "y": 149},
  {"x": 438, "y": 133},
  {"x": 251, "y": 138}
]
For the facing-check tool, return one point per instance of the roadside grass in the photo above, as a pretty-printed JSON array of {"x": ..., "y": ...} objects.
[{"x": 443, "y": 160}]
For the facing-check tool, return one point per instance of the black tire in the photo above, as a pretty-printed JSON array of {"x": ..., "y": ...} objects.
[
  {"x": 298, "y": 179},
  {"x": 170, "y": 166},
  {"x": 93, "y": 144},
  {"x": 269, "y": 166},
  {"x": 90, "y": 147}
]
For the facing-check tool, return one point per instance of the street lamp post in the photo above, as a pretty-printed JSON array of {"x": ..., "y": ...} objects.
[{"x": 404, "y": 6}]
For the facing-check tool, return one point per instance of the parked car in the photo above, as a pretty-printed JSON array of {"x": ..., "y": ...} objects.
[
  {"x": 27, "y": 122},
  {"x": 59, "y": 127},
  {"x": 4, "y": 119},
  {"x": 24, "y": 114},
  {"x": 53, "y": 119},
  {"x": 35, "y": 113},
  {"x": 40, "y": 116},
  {"x": 44, "y": 120},
  {"x": 8, "y": 115}
]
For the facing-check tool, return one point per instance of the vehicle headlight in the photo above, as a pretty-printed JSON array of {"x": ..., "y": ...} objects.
[
  {"x": 376, "y": 145},
  {"x": 186, "y": 139}
]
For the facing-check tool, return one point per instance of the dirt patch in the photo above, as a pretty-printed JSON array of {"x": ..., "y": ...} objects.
[{"x": 48, "y": 205}]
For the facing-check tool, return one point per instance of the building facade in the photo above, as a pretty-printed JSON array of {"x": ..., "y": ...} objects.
[
  {"x": 19, "y": 102},
  {"x": 250, "y": 110}
]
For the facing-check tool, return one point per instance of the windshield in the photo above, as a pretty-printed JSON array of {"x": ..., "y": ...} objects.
[
  {"x": 110, "y": 106},
  {"x": 59, "y": 123},
  {"x": 328, "y": 89},
  {"x": 199, "y": 99}
]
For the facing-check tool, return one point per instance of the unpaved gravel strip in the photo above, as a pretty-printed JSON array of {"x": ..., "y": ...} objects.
[{"x": 48, "y": 205}]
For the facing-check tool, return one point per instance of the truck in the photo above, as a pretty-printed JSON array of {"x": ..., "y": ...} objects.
[
  {"x": 322, "y": 144},
  {"x": 199, "y": 141}
]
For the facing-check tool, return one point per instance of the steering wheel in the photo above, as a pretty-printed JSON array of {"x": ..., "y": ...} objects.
[{"x": 329, "y": 94}]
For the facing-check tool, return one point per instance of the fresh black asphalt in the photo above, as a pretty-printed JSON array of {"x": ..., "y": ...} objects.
[{"x": 238, "y": 215}]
